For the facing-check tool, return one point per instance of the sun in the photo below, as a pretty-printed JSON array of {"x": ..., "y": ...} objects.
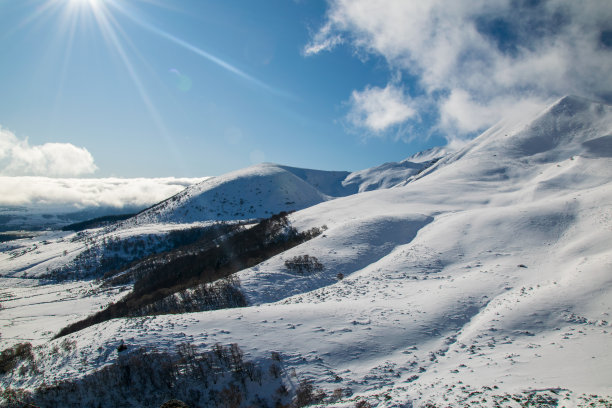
[{"x": 81, "y": 3}]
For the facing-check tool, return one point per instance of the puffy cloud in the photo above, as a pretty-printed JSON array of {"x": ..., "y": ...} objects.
[
  {"x": 80, "y": 193},
  {"x": 491, "y": 53},
  {"x": 378, "y": 109},
  {"x": 19, "y": 158}
]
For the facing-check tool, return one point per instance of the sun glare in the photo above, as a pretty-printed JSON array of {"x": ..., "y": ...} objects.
[
  {"x": 80, "y": 3},
  {"x": 76, "y": 15}
]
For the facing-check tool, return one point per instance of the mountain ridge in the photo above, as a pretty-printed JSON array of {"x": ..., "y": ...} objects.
[{"x": 264, "y": 189}]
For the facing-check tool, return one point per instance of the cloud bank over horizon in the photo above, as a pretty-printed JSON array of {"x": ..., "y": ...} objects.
[
  {"x": 69, "y": 194},
  {"x": 46, "y": 177},
  {"x": 19, "y": 158},
  {"x": 474, "y": 61}
]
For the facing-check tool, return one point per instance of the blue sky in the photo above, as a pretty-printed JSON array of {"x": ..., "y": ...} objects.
[
  {"x": 162, "y": 109},
  {"x": 190, "y": 88}
]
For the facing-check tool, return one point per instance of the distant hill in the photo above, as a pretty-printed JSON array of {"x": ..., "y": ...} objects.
[
  {"x": 96, "y": 222},
  {"x": 265, "y": 189}
]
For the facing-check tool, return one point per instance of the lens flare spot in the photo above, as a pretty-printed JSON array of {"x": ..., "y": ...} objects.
[{"x": 182, "y": 82}]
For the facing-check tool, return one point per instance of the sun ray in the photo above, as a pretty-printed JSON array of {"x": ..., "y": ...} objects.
[
  {"x": 40, "y": 11},
  {"x": 198, "y": 51},
  {"x": 71, "y": 32},
  {"x": 74, "y": 15},
  {"x": 106, "y": 22}
]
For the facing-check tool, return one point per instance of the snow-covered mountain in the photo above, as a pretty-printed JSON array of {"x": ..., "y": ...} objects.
[
  {"x": 255, "y": 192},
  {"x": 484, "y": 281},
  {"x": 265, "y": 189},
  {"x": 392, "y": 174}
]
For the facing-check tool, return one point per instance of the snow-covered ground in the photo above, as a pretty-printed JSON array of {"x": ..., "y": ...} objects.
[
  {"x": 485, "y": 280},
  {"x": 34, "y": 312},
  {"x": 76, "y": 254}
]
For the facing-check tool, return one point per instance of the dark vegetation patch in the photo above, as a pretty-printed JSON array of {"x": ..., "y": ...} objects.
[
  {"x": 111, "y": 255},
  {"x": 96, "y": 222},
  {"x": 11, "y": 236},
  {"x": 173, "y": 403},
  {"x": 199, "y": 276},
  {"x": 220, "y": 377},
  {"x": 304, "y": 264},
  {"x": 13, "y": 356},
  {"x": 307, "y": 394},
  {"x": 544, "y": 398},
  {"x": 222, "y": 294}
]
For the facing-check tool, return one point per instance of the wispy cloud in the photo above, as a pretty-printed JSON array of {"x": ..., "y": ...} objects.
[
  {"x": 493, "y": 55},
  {"x": 19, "y": 158},
  {"x": 80, "y": 193},
  {"x": 325, "y": 39}
]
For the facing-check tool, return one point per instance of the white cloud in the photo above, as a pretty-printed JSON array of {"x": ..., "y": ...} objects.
[
  {"x": 460, "y": 114},
  {"x": 79, "y": 193},
  {"x": 490, "y": 53},
  {"x": 323, "y": 40},
  {"x": 21, "y": 184},
  {"x": 19, "y": 158},
  {"x": 379, "y": 109}
]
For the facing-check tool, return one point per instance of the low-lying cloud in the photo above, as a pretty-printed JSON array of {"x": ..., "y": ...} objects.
[
  {"x": 495, "y": 57},
  {"x": 82, "y": 193},
  {"x": 19, "y": 158}
]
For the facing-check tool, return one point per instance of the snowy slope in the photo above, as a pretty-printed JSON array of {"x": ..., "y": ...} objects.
[
  {"x": 255, "y": 192},
  {"x": 391, "y": 174},
  {"x": 511, "y": 276},
  {"x": 265, "y": 189},
  {"x": 571, "y": 126},
  {"x": 75, "y": 254},
  {"x": 330, "y": 183},
  {"x": 484, "y": 282},
  {"x": 34, "y": 311}
]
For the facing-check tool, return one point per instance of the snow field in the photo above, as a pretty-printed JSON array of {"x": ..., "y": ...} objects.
[{"x": 484, "y": 281}]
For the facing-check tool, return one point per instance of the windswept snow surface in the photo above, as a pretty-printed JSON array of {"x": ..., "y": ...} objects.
[
  {"x": 35, "y": 311},
  {"x": 488, "y": 276}
]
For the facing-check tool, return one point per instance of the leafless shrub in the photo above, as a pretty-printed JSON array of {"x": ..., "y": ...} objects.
[{"x": 303, "y": 263}]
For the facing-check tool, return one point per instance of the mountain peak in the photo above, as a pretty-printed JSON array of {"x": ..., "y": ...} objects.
[{"x": 571, "y": 104}]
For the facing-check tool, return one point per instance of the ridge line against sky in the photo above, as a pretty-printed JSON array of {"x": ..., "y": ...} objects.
[{"x": 155, "y": 88}]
